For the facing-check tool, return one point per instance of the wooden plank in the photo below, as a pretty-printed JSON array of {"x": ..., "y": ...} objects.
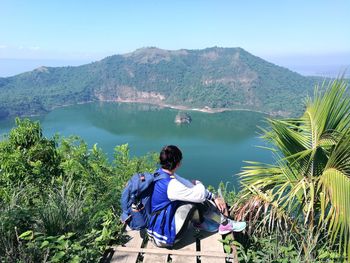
[
  {"x": 210, "y": 243},
  {"x": 173, "y": 252},
  {"x": 126, "y": 257},
  {"x": 185, "y": 245},
  {"x": 155, "y": 258}
]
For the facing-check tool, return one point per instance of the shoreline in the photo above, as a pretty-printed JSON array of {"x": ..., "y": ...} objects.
[
  {"x": 185, "y": 108},
  {"x": 161, "y": 105}
]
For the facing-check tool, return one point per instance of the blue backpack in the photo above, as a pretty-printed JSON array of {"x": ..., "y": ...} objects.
[{"x": 136, "y": 200}]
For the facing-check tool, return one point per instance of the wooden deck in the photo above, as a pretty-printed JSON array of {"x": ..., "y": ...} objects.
[{"x": 195, "y": 247}]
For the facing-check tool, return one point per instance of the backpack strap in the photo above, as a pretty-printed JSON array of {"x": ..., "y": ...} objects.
[{"x": 158, "y": 176}]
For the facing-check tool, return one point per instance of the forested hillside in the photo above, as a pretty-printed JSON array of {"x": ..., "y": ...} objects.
[{"x": 229, "y": 78}]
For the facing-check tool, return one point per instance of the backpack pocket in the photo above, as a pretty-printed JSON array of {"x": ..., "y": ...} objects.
[{"x": 139, "y": 218}]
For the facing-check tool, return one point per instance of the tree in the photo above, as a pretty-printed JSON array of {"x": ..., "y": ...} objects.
[
  {"x": 309, "y": 183},
  {"x": 60, "y": 200}
]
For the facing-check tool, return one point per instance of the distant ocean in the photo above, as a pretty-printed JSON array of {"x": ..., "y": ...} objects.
[{"x": 330, "y": 71}]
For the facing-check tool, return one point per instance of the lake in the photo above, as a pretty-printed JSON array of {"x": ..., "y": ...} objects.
[{"x": 214, "y": 145}]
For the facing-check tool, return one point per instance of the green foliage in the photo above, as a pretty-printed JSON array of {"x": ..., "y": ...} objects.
[
  {"x": 225, "y": 191},
  {"x": 127, "y": 166},
  {"x": 59, "y": 200},
  {"x": 306, "y": 191},
  {"x": 28, "y": 158},
  {"x": 69, "y": 247},
  {"x": 214, "y": 77},
  {"x": 228, "y": 242},
  {"x": 268, "y": 249},
  {"x": 274, "y": 247}
]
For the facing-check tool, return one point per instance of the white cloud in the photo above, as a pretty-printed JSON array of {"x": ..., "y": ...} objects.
[{"x": 3, "y": 46}]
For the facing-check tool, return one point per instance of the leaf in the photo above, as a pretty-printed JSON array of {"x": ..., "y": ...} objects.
[
  {"x": 75, "y": 259},
  {"x": 57, "y": 257},
  {"x": 28, "y": 235},
  {"x": 227, "y": 248},
  {"x": 336, "y": 185},
  {"x": 309, "y": 182},
  {"x": 44, "y": 244},
  {"x": 323, "y": 255}
]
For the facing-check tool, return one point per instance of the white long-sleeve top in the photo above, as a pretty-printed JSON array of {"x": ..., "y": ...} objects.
[{"x": 183, "y": 190}]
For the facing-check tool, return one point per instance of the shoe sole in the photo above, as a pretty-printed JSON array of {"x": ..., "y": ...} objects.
[{"x": 224, "y": 233}]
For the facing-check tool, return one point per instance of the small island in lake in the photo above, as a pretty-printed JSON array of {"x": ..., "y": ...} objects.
[{"x": 183, "y": 118}]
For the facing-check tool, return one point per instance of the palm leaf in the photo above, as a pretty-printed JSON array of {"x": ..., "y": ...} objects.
[
  {"x": 336, "y": 186},
  {"x": 310, "y": 179},
  {"x": 335, "y": 183}
]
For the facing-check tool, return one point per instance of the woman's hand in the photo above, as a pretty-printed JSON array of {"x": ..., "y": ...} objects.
[
  {"x": 221, "y": 205},
  {"x": 195, "y": 182}
]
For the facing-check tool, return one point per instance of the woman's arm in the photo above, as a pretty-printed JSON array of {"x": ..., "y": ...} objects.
[
  {"x": 196, "y": 193},
  {"x": 179, "y": 191}
]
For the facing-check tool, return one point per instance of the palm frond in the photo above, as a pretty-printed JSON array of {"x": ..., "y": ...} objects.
[
  {"x": 330, "y": 111},
  {"x": 309, "y": 181},
  {"x": 287, "y": 137},
  {"x": 336, "y": 205},
  {"x": 262, "y": 212}
]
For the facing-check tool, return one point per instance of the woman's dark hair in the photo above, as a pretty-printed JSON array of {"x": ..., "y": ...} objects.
[{"x": 169, "y": 157}]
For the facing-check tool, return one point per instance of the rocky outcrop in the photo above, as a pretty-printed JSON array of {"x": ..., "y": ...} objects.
[{"x": 183, "y": 118}]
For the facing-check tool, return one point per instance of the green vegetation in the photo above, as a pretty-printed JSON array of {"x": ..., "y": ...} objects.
[
  {"x": 298, "y": 207},
  {"x": 213, "y": 77},
  {"x": 59, "y": 200}
]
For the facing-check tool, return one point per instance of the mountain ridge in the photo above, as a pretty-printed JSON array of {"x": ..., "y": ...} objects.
[{"x": 212, "y": 78}]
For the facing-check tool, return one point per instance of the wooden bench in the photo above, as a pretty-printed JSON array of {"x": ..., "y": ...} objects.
[{"x": 196, "y": 246}]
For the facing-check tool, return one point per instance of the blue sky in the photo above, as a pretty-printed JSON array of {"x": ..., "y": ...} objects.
[{"x": 90, "y": 30}]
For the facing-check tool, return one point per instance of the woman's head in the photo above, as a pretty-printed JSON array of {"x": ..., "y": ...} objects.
[{"x": 170, "y": 157}]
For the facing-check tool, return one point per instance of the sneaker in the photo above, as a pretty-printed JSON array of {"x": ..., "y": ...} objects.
[
  {"x": 231, "y": 226},
  {"x": 207, "y": 225}
]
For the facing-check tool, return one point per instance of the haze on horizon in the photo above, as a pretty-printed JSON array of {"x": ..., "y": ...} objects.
[{"x": 305, "y": 36}]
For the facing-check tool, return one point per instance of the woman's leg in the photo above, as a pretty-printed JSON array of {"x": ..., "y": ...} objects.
[{"x": 184, "y": 214}]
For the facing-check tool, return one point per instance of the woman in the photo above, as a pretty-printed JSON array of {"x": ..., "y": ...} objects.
[{"x": 175, "y": 197}]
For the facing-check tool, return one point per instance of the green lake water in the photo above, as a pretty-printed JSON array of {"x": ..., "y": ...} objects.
[{"x": 214, "y": 146}]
